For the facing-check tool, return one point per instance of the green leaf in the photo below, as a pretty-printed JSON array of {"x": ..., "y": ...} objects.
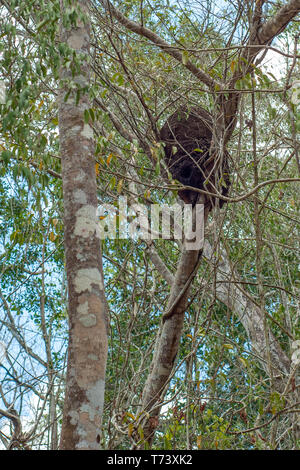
[
  {"x": 185, "y": 57},
  {"x": 86, "y": 116},
  {"x": 5, "y": 156},
  {"x": 243, "y": 361}
]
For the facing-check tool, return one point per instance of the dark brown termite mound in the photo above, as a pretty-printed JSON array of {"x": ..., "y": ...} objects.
[{"x": 187, "y": 136}]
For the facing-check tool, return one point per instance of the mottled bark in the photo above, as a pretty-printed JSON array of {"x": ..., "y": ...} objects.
[{"x": 87, "y": 304}]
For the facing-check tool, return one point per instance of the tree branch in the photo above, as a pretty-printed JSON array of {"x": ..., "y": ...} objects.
[
  {"x": 161, "y": 43},
  {"x": 278, "y": 22}
]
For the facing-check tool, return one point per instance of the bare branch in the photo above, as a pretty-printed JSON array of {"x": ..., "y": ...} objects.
[{"x": 278, "y": 22}]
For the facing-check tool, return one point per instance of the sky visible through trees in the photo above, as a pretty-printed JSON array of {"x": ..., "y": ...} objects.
[{"x": 139, "y": 342}]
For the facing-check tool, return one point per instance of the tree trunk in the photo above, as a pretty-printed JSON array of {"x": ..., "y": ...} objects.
[
  {"x": 87, "y": 304},
  {"x": 168, "y": 340}
]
